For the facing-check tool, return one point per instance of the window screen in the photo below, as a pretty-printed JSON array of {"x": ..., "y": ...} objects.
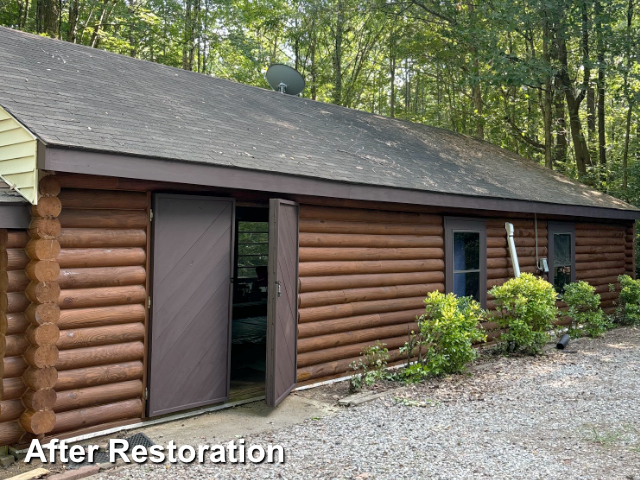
[
  {"x": 561, "y": 260},
  {"x": 466, "y": 264}
]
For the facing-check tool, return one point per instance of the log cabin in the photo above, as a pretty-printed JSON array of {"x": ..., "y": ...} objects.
[{"x": 170, "y": 240}]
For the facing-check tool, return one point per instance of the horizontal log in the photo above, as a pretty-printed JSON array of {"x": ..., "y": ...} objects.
[
  {"x": 47, "y": 207},
  {"x": 517, "y": 223},
  {"x": 316, "y": 284},
  {"x": 93, "y": 337},
  {"x": 593, "y": 226},
  {"x": 10, "y": 432},
  {"x": 368, "y": 228},
  {"x": 518, "y": 232},
  {"x": 597, "y": 281},
  {"x": 609, "y": 295},
  {"x": 506, "y": 262},
  {"x": 313, "y": 329},
  {"x": 313, "y": 344},
  {"x": 88, "y": 397},
  {"x": 313, "y": 254},
  {"x": 348, "y": 351},
  {"x": 337, "y": 367},
  {"x": 101, "y": 238},
  {"x": 12, "y": 388},
  {"x": 16, "y": 345},
  {"x": 492, "y": 282},
  {"x": 316, "y": 299},
  {"x": 318, "y": 269},
  {"x": 14, "y": 281},
  {"x": 101, "y": 257},
  {"x": 16, "y": 302},
  {"x": 369, "y": 241},
  {"x": 592, "y": 249},
  {"x": 362, "y": 215},
  {"x": 10, "y": 410},
  {"x": 92, "y": 376},
  {"x": 605, "y": 272},
  {"x": 88, "y": 417},
  {"x": 605, "y": 288},
  {"x": 581, "y": 266},
  {"x": 101, "y": 316},
  {"x": 17, "y": 238},
  {"x": 598, "y": 257},
  {"x": 508, "y": 272},
  {"x": 101, "y": 277},
  {"x": 501, "y": 242},
  {"x": 96, "y": 199},
  {"x": 81, "y": 218},
  {"x": 315, "y": 314},
  {"x": 600, "y": 233},
  {"x": 17, "y": 258},
  {"x": 14, "y": 367},
  {"x": 103, "y": 355},
  {"x": 597, "y": 241},
  {"x": 503, "y": 252},
  {"x": 102, "y": 297}
]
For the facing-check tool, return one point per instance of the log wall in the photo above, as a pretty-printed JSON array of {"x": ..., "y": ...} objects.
[
  {"x": 363, "y": 277},
  {"x": 74, "y": 355}
]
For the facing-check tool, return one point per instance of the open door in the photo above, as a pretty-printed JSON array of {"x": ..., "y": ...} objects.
[
  {"x": 282, "y": 322},
  {"x": 191, "y": 303}
]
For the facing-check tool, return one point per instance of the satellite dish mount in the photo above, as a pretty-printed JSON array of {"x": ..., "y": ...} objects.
[{"x": 285, "y": 79}]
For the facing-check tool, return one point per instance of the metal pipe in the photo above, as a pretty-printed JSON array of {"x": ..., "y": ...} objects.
[
  {"x": 512, "y": 249},
  {"x": 563, "y": 341}
]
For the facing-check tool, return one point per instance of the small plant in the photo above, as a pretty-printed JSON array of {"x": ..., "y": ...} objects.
[
  {"x": 447, "y": 331},
  {"x": 628, "y": 311},
  {"x": 370, "y": 368},
  {"x": 527, "y": 307},
  {"x": 587, "y": 318}
]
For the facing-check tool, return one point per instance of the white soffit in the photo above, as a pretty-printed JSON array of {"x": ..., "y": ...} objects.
[{"x": 18, "y": 167}]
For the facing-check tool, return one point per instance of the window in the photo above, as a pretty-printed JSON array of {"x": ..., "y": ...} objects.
[
  {"x": 466, "y": 258},
  {"x": 561, "y": 254}
]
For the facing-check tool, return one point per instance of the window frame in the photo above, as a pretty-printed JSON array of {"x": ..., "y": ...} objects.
[
  {"x": 460, "y": 224},
  {"x": 554, "y": 228}
]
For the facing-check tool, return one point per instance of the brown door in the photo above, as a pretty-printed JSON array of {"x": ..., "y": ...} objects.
[
  {"x": 282, "y": 327},
  {"x": 190, "y": 307}
]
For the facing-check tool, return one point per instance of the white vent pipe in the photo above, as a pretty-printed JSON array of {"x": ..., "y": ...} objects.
[{"x": 512, "y": 249}]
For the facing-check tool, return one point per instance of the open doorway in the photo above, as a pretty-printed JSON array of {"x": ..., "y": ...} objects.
[{"x": 250, "y": 297}]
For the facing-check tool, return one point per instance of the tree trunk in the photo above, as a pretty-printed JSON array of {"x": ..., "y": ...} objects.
[
  {"x": 74, "y": 12},
  {"x": 392, "y": 72},
  {"x": 602, "y": 140},
  {"x": 629, "y": 96},
  {"x": 560, "y": 154},
  {"x": 47, "y": 17},
  {"x": 314, "y": 67},
  {"x": 337, "y": 55}
]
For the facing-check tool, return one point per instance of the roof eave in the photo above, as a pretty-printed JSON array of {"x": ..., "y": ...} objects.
[{"x": 61, "y": 159}]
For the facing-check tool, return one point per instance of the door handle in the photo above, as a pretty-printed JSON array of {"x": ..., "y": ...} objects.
[{"x": 278, "y": 284}]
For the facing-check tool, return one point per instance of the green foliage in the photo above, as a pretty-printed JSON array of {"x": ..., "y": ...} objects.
[
  {"x": 371, "y": 368},
  {"x": 447, "y": 331},
  {"x": 527, "y": 307},
  {"x": 587, "y": 318},
  {"x": 628, "y": 311}
]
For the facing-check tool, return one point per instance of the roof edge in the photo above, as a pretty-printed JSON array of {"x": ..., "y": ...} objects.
[{"x": 82, "y": 161}]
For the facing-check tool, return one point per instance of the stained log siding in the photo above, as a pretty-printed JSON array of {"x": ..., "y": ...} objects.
[
  {"x": 364, "y": 275},
  {"x": 103, "y": 301},
  {"x": 99, "y": 332}
]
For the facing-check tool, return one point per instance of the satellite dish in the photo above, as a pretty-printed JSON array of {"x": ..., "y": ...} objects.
[{"x": 285, "y": 79}]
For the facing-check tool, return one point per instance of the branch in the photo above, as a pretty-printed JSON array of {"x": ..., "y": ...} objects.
[{"x": 523, "y": 137}]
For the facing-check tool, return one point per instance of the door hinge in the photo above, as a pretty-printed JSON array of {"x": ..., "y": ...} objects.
[
  {"x": 149, "y": 303},
  {"x": 146, "y": 394},
  {"x": 151, "y": 215}
]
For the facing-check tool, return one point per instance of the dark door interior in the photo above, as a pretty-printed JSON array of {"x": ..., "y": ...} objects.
[
  {"x": 193, "y": 242},
  {"x": 282, "y": 329}
]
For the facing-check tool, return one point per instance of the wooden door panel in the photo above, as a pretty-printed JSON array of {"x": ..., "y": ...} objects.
[
  {"x": 282, "y": 330},
  {"x": 190, "y": 323}
]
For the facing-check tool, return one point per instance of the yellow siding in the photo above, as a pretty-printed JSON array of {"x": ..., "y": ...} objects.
[{"x": 18, "y": 167}]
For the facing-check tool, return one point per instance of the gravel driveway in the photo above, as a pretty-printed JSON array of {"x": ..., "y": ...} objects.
[{"x": 571, "y": 414}]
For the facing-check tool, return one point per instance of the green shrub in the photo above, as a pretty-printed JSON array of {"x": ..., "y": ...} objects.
[
  {"x": 628, "y": 311},
  {"x": 587, "y": 318},
  {"x": 444, "y": 341},
  {"x": 371, "y": 368},
  {"x": 527, "y": 307}
]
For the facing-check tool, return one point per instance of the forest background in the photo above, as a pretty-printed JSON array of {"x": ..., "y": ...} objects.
[{"x": 557, "y": 81}]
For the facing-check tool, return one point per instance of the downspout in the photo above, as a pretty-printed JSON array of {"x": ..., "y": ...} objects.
[{"x": 512, "y": 249}]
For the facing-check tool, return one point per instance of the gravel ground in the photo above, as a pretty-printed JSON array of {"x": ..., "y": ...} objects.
[{"x": 571, "y": 414}]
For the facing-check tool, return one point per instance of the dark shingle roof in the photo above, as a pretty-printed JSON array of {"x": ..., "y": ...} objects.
[{"x": 78, "y": 97}]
